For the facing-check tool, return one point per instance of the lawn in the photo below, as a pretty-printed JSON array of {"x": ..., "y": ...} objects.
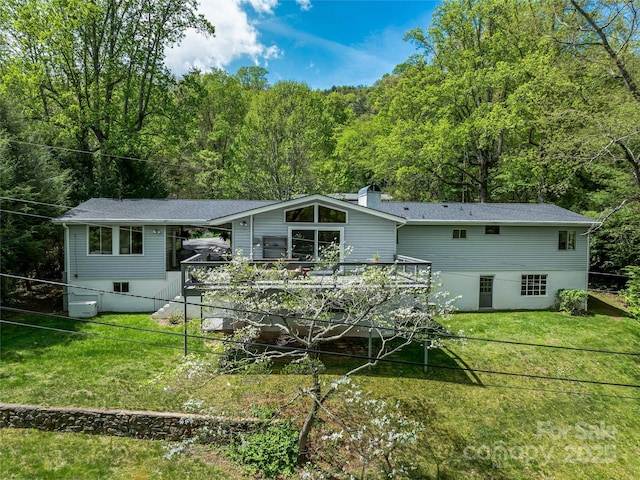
[{"x": 479, "y": 425}]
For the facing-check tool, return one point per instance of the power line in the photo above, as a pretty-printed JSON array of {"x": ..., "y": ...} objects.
[
  {"x": 493, "y": 263},
  {"x": 26, "y": 214},
  {"x": 389, "y": 360},
  {"x": 106, "y": 223},
  {"x": 88, "y": 334},
  {"x": 337, "y": 322},
  {"x": 88, "y": 152},
  {"x": 565, "y": 392},
  {"x": 33, "y": 202}
]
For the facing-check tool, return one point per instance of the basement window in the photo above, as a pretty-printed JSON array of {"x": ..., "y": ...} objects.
[
  {"x": 533, "y": 285},
  {"x": 121, "y": 287}
]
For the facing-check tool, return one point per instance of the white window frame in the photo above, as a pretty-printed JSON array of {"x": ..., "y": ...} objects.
[
  {"x": 115, "y": 241},
  {"x": 89, "y": 253},
  {"x": 121, "y": 287},
  {"x": 316, "y": 229},
  {"x": 533, "y": 284},
  {"x": 316, "y": 215},
  {"x": 570, "y": 240},
  {"x": 461, "y": 235},
  {"x": 130, "y": 228}
]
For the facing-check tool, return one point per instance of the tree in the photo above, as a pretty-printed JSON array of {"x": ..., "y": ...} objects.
[
  {"x": 476, "y": 57},
  {"x": 309, "y": 313},
  {"x": 286, "y": 132},
  {"x": 210, "y": 112},
  {"x": 604, "y": 36},
  {"x": 253, "y": 78},
  {"x": 96, "y": 71},
  {"x": 34, "y": 187}
]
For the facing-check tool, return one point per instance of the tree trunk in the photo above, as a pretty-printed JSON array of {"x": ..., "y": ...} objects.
[{"x": 303, "y": 436}]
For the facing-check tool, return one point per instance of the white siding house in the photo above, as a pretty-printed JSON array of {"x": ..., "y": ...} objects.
[{"x": 499, "y": 256}]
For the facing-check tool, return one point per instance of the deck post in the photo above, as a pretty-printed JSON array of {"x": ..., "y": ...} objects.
[
  {"x": 183, "y": 272},
  {"x": 370, "y": 347},
  {"x": 185, "y": 325},
  {"x": 426, "y": 357}
]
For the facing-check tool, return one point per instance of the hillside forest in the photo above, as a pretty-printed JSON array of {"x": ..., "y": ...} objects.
[{"x": 503, "y": 101}]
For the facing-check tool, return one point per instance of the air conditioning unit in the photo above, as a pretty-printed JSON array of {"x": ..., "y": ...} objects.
[{"x": 86, "y": 309}]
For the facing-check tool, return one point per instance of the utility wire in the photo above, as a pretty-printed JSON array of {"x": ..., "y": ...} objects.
[
  {"x": 159, "y": 162},
  {"x": 493, "y": 263},
  {"x": 88, "y": 152},
  {"x": 338, "y": 323},
  {"x": 93, "y": 335},
  {"x": 33, "y": 202},
  {"x": 393, "y": 361}
]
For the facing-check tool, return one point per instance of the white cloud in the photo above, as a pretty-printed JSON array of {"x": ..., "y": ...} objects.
[
  {"x": 235, "y": 37},
  {"x": 305, "y": 5},
  {"x": 263, "y": 6}
]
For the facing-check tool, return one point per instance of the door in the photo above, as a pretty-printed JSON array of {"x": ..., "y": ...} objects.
[
  {"x": 307, "y": 244},
  {"x": 486, "y": 292}
]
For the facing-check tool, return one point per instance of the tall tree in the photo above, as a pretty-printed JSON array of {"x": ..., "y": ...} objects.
[
  {"x": 479, "y": 49},
  {"x": 604, "y": 35},
  {"x": 210, "y": 112},
  {"x": 286, "y": 133},
  {"x": 33, "y": 187},
  {"x": 96, "y": 71}
]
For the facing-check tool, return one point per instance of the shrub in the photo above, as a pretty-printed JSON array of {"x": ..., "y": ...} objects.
[
  {"x": 272, "y": 450},
  {"x": 573, "y": 302},
  {"x": 175, "y": 318},
  {"x": 631, "y": 295}
]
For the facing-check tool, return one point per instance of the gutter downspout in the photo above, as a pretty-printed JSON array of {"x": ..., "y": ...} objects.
[
  {"x": 251, "y": 236},
  {"x": 67, "y": 269},
  {"x": 398, "y": 227}
]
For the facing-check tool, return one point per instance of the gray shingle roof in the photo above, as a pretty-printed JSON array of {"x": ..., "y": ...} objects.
[
  {"x": 157, "y": 211},
  {"x": 201, "y": 211},
  {"x": 483, "y": 212}
]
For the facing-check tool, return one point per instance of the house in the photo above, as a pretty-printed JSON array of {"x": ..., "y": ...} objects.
[{"x": 492, "y": 255}]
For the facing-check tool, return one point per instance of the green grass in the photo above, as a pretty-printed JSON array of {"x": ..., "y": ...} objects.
[
  {"x": 30, "y": 454},
  {"x": 470, "y": 417},
  {"x": 91, "y": 367}
]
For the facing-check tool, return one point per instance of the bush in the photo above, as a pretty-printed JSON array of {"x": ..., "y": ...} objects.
[
  {"x": 574, "y": 302},
  {"x": 272, "y": 451},
  {"x": 175, "y": 318},
  {"x": 631, "y": 295}
]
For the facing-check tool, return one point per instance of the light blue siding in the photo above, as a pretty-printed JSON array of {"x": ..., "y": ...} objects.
[
  {"x": 149, "y": 265},
  {"x": 516, "y": 248},
  {"x": 365, "y": 233}
]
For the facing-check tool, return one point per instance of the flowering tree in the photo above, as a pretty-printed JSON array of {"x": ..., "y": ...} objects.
[
  {"x": 305, "y": 310},
  {"x": 363, "y": 436}
]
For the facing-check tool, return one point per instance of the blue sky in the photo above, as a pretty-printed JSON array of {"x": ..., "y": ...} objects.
[{"x": 320, "y": 42}]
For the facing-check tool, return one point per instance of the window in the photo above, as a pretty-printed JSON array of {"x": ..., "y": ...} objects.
[
  {"x": 533, "y": 285},
  {"x": 130, "y": 241},
  {"x": 304, "y": 214},
  {"x": 100, "y": 241},
  {"x": 459, "y": 233},
  {"x": 567, "y": 240},
  {"x": 492, "y": 230},
  {"x": 308, "y": 244},
  {"x": 121, "y": 287},
  {"x": 315, "y": 214}
]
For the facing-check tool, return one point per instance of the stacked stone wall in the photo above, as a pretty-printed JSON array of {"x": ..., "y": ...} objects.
[{"x": 123, "y": 423}]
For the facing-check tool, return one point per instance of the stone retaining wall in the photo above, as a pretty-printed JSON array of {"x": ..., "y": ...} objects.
[{"x": 122, "y": 423}]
